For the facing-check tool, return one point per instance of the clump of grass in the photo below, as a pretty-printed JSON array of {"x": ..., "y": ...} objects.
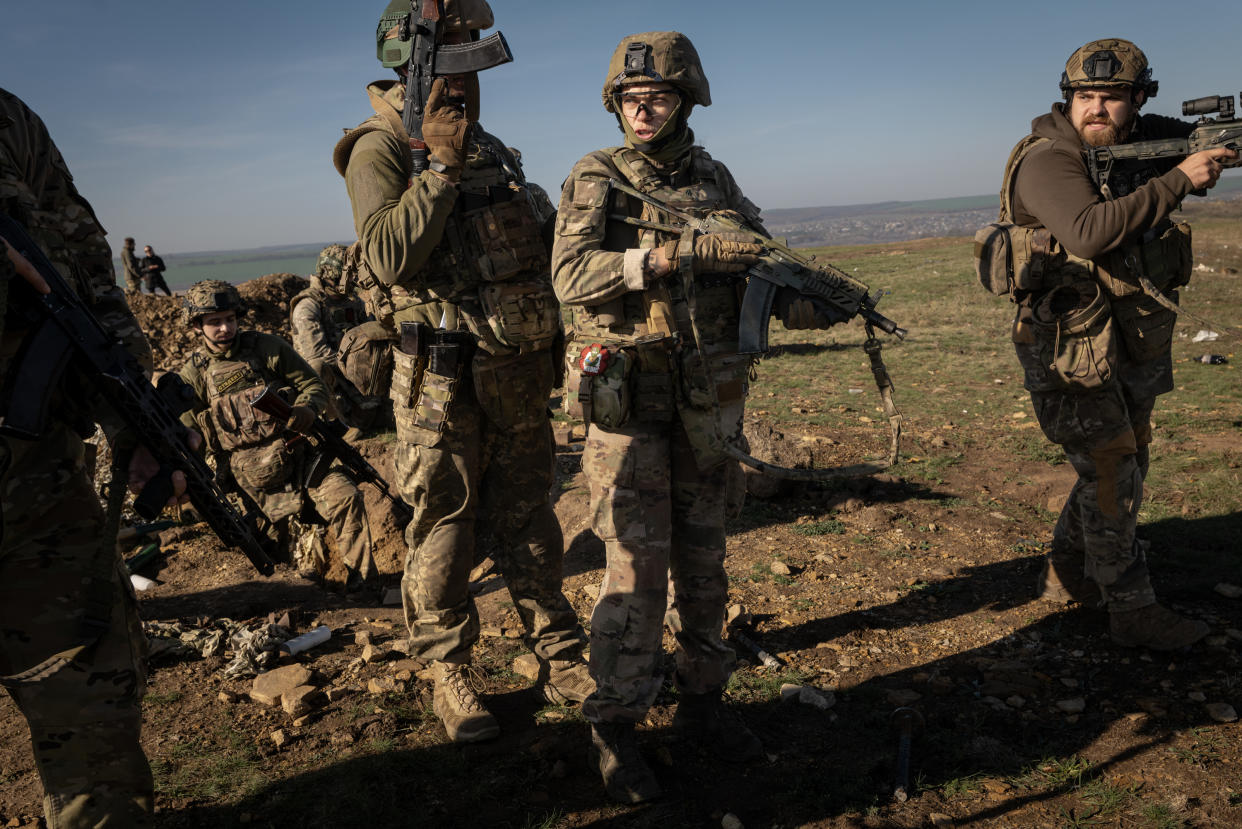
[{"x": 830, "y": 526}]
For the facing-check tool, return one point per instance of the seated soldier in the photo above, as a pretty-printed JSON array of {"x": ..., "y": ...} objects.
[{"x": 226, "y": 374}]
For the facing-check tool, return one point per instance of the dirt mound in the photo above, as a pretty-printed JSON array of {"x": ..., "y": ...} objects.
[{"x": 172, "y": 340}]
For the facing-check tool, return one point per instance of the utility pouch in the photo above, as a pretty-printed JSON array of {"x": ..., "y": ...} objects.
[
  {"x": 1168, "y": 260},
  {"x": 513, "y": 391},
  {"x": 365, "y": 358},
  {"x": 261, "y": 468},
  {"x": 653, "y": 397},
  {"x": 611, "y": 392},
  {"x": 1011, "y": 258},
  {"x": 522, "y": 315},
  {"x": 1075, "y": 337},
  {"x": 1146, "y": 326}
]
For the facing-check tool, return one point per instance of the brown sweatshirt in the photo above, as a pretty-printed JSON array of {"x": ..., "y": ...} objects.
[{"x": 1054, "y": 189}]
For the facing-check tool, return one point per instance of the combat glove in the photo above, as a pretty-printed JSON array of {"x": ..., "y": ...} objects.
[
  {"x": 444, "y": 131},
  {"x": 301, "y": 418},
  {"x": 716, "y": 253},
  {"x": 800, "y": 313}
]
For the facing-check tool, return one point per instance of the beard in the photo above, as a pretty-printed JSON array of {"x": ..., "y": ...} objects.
[{"x": 1112, "y": 134}]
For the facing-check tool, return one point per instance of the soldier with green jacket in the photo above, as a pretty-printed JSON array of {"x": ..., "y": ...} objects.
[
  {"x": 1106, "y": 265},
  {"x": 72, "y": 651},
  {"x": 474, "y": 441},
  {"x": 231, "y": 368},
  {"x": 655, "y": 370}
]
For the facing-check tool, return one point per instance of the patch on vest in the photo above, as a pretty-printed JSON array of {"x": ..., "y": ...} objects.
[{"x": 231, "y": 381}]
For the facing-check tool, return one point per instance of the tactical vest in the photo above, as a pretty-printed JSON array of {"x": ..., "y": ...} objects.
[
  {"x": 491, "y": 262},
  {"x": 694, "y": 189},
  {"x": 230, "y": 386},
  {"x": 1023, "y": 261},
  {"x": 337, "y": 313}
]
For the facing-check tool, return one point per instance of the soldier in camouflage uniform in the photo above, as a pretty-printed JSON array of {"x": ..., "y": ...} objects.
[
  {"x": 653, "y": 454},
  {"x": 57, "y": 559},
  {"x": 319, "y": 316},
  {"x": 1113, "y": 246},
  {"x": 231, "y": 368},
  {"x": 129, "y": 260},
  {"x": 474, "y": 442}
]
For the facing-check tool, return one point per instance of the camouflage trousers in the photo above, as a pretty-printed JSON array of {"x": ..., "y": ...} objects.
[
  {"x": 85, "y": 718},
  {"x": 1106, "y": 435},
  {"x": 340, "y": 503},
  {"x": 658, "y": 515},
  {"x": 473, "y": 473}
]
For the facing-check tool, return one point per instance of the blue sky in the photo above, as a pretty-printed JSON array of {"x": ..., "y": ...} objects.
[{"x": 203, "y": 126}]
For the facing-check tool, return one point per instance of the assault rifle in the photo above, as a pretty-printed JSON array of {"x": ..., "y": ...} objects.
[
  {"x": 331, "y": 446},
  {"x": 65, "y": 333},
  {"x": 430, "y": 60},
  {"x": 1209, "y": 133},
  {"x": 779, "y": 266}
]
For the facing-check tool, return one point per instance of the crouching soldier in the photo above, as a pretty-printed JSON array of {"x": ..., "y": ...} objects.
[{"x": 232, "y": 368}]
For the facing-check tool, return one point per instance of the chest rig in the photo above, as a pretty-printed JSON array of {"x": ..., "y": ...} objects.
[
  {"x": 693, "y": 188},
  {"x": 231, "y": 383},
  {"x": 1159, "y": 260}
]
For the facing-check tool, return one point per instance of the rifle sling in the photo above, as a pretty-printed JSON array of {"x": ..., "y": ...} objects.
[{"x": 97, "y": 599}]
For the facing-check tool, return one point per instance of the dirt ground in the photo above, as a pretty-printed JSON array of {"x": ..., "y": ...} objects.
[{"x": 890, "y": 591}]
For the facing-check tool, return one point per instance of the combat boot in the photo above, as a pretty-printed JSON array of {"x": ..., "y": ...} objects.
[
  {"x": 627, "y": 777},
  {"x": 706, "y": 719},
  {"x": 1062, "y": 579},
  {"x": 568, "y": 681},
  {"x": 458, "y": 706},
  {"x": 1155, "y": 627}
]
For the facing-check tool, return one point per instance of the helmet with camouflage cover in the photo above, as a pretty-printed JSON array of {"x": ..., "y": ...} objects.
[
  {"x": 1108, "y": 62},
  {"x": 459, "y": 16},
  {"x": 331, "y": 262},
  {"x": 210, "y": 297},
  {"x": 655, "y": 57}
]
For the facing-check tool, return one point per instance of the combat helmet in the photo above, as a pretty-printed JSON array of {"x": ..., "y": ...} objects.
[
  {"x": 654, "y": 57},
  {"x": 1108, "y": 62},
  {"x": 459, "y": 16},
  {"x": 331, "y": 262},
  {"x": 209, "y": 297}
]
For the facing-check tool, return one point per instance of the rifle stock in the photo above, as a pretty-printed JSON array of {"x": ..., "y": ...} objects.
[{"x": 66, "y": 332}]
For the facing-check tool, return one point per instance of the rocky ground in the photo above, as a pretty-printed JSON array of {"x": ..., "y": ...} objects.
[{"x": 873, "y": 595}]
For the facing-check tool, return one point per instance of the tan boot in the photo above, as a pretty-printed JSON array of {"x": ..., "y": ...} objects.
[
  {"x": 705, "y": 719},
  {"x": 1062, "y": 580},
  {"x": 1155, "y": 627},
  {"x": 627, "y": 777},
  {"x": 458, "y": 707},
  {"x": 568, "y": 681}
]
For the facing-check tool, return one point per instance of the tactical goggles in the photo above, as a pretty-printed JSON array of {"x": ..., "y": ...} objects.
[{"x": 660, "y": 101}]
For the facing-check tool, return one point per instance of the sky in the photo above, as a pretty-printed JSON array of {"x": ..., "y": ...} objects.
[{"x": 198, "y": 126}]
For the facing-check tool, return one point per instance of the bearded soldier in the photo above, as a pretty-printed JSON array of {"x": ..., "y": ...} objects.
[
  {"x": 643, "y": 298},
  {"x": 1107, "y": 266},
  {"x": 230, "y": 369},
  {"x": 470, "y": 398},
  {"x": 71, "y": 646},
  {"x": 319, "y": 317}
]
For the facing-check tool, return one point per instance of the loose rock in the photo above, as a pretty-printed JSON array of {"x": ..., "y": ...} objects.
[
  {"x": 299, "y": 701},
  {"x": 1229, "y": 591},
  {"x": 280, "y": 737},
  {"x": 268, "y": 688},
  {"x": 1072, "y": 706},
  {"x": 1222, "y": 712},
  {"x": 527, "y": 665}
]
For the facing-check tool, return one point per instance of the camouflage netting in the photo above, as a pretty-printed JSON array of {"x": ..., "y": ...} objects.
[{"x": 267, "y": 309}]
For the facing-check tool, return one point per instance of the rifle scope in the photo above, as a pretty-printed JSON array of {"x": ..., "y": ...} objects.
[{"x": 1208, "y": 105}]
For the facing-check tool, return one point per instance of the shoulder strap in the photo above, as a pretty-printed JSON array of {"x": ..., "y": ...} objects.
[{"x": 1018, "y": 153}]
